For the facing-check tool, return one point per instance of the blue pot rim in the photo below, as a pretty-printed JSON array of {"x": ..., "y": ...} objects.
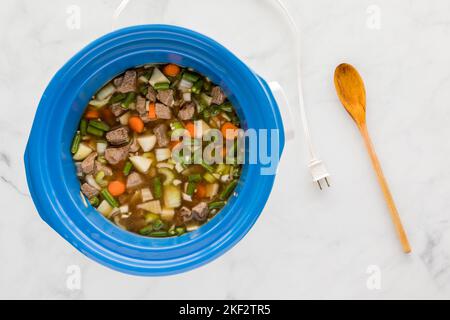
[{"x": 49, "y": 178}]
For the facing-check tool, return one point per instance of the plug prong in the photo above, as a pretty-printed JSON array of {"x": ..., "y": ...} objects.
[
  {"x": 320, "y": 186},
  {"x": 328, "y": 184}
]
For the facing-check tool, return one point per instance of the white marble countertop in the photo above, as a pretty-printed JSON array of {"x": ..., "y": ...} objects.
[{"x": 339, "y": 243}]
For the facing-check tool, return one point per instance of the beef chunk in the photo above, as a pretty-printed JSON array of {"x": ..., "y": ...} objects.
[
  {"x": 117, "y": 109},
  {"x": 166, "y": 97},
  {"x": 134, "y": 181},
  {"x": 89, "y": 191},
  {"x": 187, "y": 111},
  {"x": 101, "y": 167},
  {"x": 218, "y": 97},
  {"x": 129, "y": 82},
  {"x": 116, "y": 155},
  {"x": 200, "y": 211},
  {"x": 141, "y": 106},
  {"x": 163, "y": 112},
  {"x": 160, "y": 132},
  {"x": 151, "y": 94},
  {"x": 185, "y": 214},
  {"x": 118, "y": 136},
  {"x": 87, "y": 166}
]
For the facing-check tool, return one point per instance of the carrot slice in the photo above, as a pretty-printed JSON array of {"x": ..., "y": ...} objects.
[
  {"x": 229, "y": 131},
  {"x": 136, "y": 124},
  {"x": 116, "y": 188},
  {"x": 201, "y": 191},
  {"x": 152, "y": 111},
  {"x": 171, "y": 70},
  {"x": 92, "y": 114},
  {"x": 190, "y": 127}
]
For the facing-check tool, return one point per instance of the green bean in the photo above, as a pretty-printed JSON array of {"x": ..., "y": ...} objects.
[
  {"x": 191, "y": 188},
  {"x": 195, "y": 177},
  {"x": 143, "y": 90},
  {"x": 228, "y": 189},
  {"x": 159, "y": 234},
  {"x": 227, "y": 107},
  {"x": 180, "y": 230},
  {"x": 83, "y": 127},
  {"x": 209, "y": 177},
  {"x": 130, "y": 98},
  {"x": 207, "y": 167},
  {"x": 207, "y": 85},
  {"x": 76, "y": 143},
  {"x": 157, "y": 188},
  {"x": 206, "y": 114},
  {"x": 197, "y": 87},
  {"x": 109, "y": 198},
  {"x": 94, "y": 201},
  {"x": 158, "y": 225},
  {"x": 99, "y": 125},
  {"x": 216, "y": 205},
  {"x": 94, "y": 131},
  {"x": 161, "y": 86},
  {"x": 119, "y": 97},
  {"x": 215, "y": 110},
  {"x": 127, "y": 168},
  {"x": 191, "y": 77}
]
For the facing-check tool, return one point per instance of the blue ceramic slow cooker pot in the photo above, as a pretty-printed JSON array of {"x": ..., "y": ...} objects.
[{"x": 50, "y": 170}]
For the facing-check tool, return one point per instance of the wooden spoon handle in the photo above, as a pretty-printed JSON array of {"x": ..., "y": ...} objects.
[{"x": 384, "y": 187}]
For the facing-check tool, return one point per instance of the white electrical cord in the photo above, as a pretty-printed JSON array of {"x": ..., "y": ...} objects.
[{"x": 318, "y": 170}]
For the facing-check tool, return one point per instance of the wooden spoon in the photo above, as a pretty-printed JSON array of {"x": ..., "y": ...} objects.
[{"x": 351, "y": 92}]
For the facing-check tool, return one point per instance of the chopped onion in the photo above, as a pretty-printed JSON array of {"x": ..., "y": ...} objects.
[
  {"x": 124, "y": 119},
  {"x": 147, "y": 142},
  {"x": 187, "y": 96},
  {"x": 225, "y": 178},
  {"x": 141, "y": 164},
  {"x": 162, "y": 154},
  {"x": 146, "y": 194},
  {"x": 106, "y": 92},
  {"x": 184, "y": 84},
  {"x": 83, "y": 198},
  {"x": 167, "y": 214},
  {"x": 165, "y": 165},
  {"x": 99, "y": 103},
  {"x": 212, "y": 190},
  {"x": 187, "y": 197},
  {"x": 158, "y": 77},
  {"x": 172, "y": 196},
  {"x": 105, "y": 208},
  {"x": 151, "y": 206},
  {"x": 101, "y": 147},
  {"x": 83, "y": 151},
  {"x": 179, "y": 167},
  {"x": 124, "y": 209},
  {"x": 192, "y": 227}
]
